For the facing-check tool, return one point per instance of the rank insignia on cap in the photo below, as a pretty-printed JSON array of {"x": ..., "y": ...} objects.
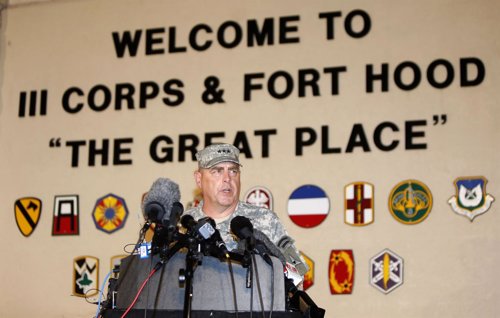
[
  {"x": 358, "y": 204},
  {"x": 85, "y": 276},
  {"x": 66, "y": 215},
  {"x": 386, "y": 271},
  {"x": 110, "y": 213},
  {"x": 260, "y": 197},
  {"x": 410, "y": 202},
  {"x": 341, "y": 272},
  {"x": 27, "y": 212},
  {"x": 471, "y": 198},
  {"x": 309, "y": 275}
]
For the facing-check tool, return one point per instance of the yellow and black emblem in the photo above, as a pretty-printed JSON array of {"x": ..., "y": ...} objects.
[{"x": 27, "y": 211}]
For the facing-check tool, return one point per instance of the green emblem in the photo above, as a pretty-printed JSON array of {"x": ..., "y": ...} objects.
[{"x": 410, "y": 202}]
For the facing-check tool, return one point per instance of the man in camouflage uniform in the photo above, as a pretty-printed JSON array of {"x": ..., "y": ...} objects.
[{"x": 218, "y": 176}]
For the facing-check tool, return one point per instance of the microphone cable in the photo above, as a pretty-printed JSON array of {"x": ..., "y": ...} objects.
[
  {"x": 140, "y": 290},
  {"x": 149, "y": 287},
  {"x": 142, "y": 236},
  {"x": 233, "y": 285},
  {"x": 101, "y": 292},
  {"x": 272, "y": 289},
  {"x": 250, "y": 272},
  {"x": 259, "y": 291}
]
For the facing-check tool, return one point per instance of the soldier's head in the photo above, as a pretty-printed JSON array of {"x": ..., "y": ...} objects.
[{"x": 218, "y": 177}]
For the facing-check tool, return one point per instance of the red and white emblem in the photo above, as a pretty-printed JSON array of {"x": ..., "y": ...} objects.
[
  {"x": 259, "y": 196},
  {"x": 308, "y": 206},
  {"x": 359, "y": 204},
  {"x": 66, "y": 215}
]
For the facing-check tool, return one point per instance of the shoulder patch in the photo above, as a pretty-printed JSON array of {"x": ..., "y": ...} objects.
[
  {"x": 410, "y": 201},
  {"x": 386, "y": 271},
  {"x": 85, "y": 276},
  {"x": 110, "y": 213},
  {"x": 341, "y": 272},
  {"x": 66, "y": 215},
  {"x": 358, "y": 204},
  {"x": 308, "y": 206},
  {"x": 259, "y": 196},
  {"x": 470, "y": 199},
  {"x": 27, "y": 212}
]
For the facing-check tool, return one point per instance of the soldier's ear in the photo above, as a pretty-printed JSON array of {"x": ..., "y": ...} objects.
[{"x": 197, "y": 178}]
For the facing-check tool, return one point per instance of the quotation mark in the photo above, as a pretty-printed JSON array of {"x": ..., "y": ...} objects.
[
  {"x": 439, "y": 119},
  {"x": 55, "y": 142}
]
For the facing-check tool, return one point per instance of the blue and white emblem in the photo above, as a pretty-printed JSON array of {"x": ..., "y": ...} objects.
[{"x": 471, "y": 198}]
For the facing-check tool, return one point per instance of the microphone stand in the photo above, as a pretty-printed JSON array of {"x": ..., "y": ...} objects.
[{"x": 193, "y": 257}]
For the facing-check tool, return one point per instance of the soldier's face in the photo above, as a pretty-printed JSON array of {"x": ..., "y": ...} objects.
[{"x": 220, "y": 184}]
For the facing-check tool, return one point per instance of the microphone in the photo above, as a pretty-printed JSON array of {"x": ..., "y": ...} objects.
[
  {"x": 285, "y": 244},
  {"x": 259, "y": 242},
  {"x": 205, "y": 230},
  {"x": 161, "y": 203},
  {"x": 265, "y": 245},
  {"x": 243, "y": 229},
  {"x": 209, "y": 232},
  {"x": 188, "y": 222}
]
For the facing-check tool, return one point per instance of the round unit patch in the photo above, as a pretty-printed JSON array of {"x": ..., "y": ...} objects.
[
  {"x": 259, "y": 196},
  {"x": 410, "y": 202},
  {"x": 110, "y": 213},
  {"x": 308, "y": 206}
]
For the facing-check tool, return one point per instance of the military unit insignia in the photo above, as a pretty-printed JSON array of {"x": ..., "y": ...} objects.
[
  {"x": 309, "y": 275},
  {"x": 66, "y": 215},
  {"x": 308, "y": 206},
  {"x": 341, "y": 272},
  {"x": 359, "y": 204},
  {"x": 410, "y": 202},
  {"x": 110, "y": 213},
  {"x": 259, "y": 196},
  {"x": 27, "y": 212},
  {"x": 85, "y": 276},
  {"x": 471, "y": 198},
  {"x": 386, "y": 271}
]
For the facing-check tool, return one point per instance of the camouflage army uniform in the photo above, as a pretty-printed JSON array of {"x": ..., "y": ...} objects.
[{"x": 262, "y": 219}]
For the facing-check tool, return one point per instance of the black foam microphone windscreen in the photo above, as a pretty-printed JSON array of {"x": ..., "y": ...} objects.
[{"x": 242, "y": 227}]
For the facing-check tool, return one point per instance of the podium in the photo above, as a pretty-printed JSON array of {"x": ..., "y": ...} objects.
[{"x": 213, "y": 296}]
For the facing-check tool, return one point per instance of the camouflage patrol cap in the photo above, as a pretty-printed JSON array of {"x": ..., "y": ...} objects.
[{"x": 217, "y": 153}]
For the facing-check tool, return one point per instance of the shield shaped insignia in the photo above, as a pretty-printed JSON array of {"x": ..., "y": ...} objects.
[
  {"x": 85, "y": 276},
  {"x": 358, "y": 204},
  {"x": 66, "y": 215},
  {"x": 471, "y": 198},
  {"x": 27, "y": 212},
  {"x": 410, "y": 202},
  {"x": 386, "y": 271},
  {"x": 110, "y": 213},
  {"x": 341, "y": 272}
]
